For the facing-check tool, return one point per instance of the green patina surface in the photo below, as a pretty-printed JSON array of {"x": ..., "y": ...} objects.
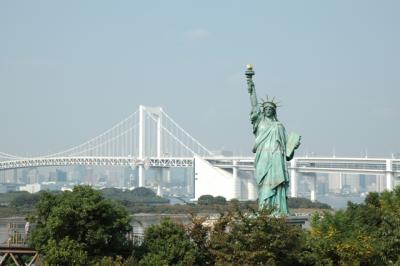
[{"x": 273, "y": 147}]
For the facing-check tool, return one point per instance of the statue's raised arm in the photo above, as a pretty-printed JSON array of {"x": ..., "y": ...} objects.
[
  {"x": 254, "y": 114},
  {"x": 251, "y": 88}
]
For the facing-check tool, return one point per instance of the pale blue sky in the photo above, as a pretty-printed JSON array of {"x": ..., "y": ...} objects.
[{"x": 71, "y": 69}]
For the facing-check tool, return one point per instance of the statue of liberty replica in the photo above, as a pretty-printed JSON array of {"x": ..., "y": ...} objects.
[{"x": 273, "y": 147}]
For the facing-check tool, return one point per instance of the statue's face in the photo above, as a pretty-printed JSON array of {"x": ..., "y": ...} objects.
[{"x": 269, "y": 111}]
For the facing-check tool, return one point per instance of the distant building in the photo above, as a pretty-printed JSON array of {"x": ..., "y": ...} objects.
[
  {"x": 335, "y": 182},
  {"x": 89, "y": 177},
  {"x": 61, "y": 176},
  {"x": 31, "y": 188}
]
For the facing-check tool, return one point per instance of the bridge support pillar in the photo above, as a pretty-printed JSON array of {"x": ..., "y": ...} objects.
[
  {"x": 341, "y": 182},
  {"x": 293, "y": 179},
  {"x": 251, "y": 189},
  {"x": 141, "y": 176},
  {"x": 167, "y": 172},
  {"x": 141, "y": 144},
  {"x": 313, "y": 188},
  {"x": 378, "y": 183},
  {"x": 236, "y": 182},
  {"x": 389, "y": 175},
  {"x": 159, "y": 190}
]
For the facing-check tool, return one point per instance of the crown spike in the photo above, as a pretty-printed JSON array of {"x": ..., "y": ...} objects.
[{"x": 271, "y": 101}]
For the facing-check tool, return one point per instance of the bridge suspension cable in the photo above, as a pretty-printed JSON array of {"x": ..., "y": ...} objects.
[
  {"x": 200, "y": 146},
  {"x": 192, "y": 147},
  {"x": 97, "y": 141},
  {"x": 7, "y": 156},
  {"x": 162, "y": 137}
]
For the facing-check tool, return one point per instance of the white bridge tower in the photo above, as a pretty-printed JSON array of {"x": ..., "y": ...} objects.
[{"x": 156, "y": 113}]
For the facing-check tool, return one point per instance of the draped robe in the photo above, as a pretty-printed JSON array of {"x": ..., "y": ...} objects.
[{"x": 270, "y": 163}]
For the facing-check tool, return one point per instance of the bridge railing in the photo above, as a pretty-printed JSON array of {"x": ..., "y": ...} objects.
[
  {"x": 396, "y": 166},
  {"x": 343, "y": 165}
]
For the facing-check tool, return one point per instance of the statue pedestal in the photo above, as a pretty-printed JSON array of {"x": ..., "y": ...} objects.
[{"x": 302, "y": 221}]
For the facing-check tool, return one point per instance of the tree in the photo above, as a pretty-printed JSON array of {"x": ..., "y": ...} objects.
[
  {"x": 255, "y": 239},
  {"x": 352, "y": 236},
  {"x": 24, "y": 199},
  {"x": 210, "y": 200},
  {"x": 167, "y": 244},
  {"x": 199, "y": 234},
  {"x": 205, "y": 200},
  {"x": 362, "y": 234},
  {"x": 219, "y": 200},
  {"x": 143, "y": 192},
  {"x": 336, "y": 239},
  {"x": 66, "y": 252},
  {"x": 79, "y": 223},
  {"x": 388, "y": 207},
  {"x": 129, "y": 198}
]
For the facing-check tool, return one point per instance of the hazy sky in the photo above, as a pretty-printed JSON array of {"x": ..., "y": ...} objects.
[{"x": 71, "y": 69}]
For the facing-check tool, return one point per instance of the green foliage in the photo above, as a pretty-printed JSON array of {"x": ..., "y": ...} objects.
[
  {"x": 95, "y": 226},
  {"x": 255, "y": 239},
  {"x": 219, "y": 200},
  {"x": 83, "y": 228},
  {"x": 140, "y": 200},
  {"x": 210, "y": 200},
  {"x": 199, "y": 234},
  {"x": 6, "y": 211},
  {"x": 18, "y": 203},
  {"x": 65, "y": 252},
  {"x": 337, "y": 239},
  {"x": 143, "y": 192},
  {"x": 24, "y": 199},
  {"x": 6, "y": 198},
  {"x": 389, "y": 226},
  {"x": 236, "y": 238},
  {"x": 131, "y": 198},
  {"x": 167, "y": 244},
  {"x": 363, "y": 234},
  {"x": 205, "y": 200},
  {"x": 110, "y": 261}
]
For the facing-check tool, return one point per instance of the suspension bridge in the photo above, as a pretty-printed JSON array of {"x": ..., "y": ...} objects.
[
  {"x": 147, "y": 138},
  {"x": 150, "y": 138}
]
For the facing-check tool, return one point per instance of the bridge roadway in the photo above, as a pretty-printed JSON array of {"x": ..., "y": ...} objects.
[
  {"x": 299, "y": 164},
  {"x": 96, "y": 161},
  {"x": 318, "y": 164},
  {"x": 390, "y": 168}
]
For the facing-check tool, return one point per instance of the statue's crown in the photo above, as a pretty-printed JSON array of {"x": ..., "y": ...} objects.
[{"x": 267, "y": 101}]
